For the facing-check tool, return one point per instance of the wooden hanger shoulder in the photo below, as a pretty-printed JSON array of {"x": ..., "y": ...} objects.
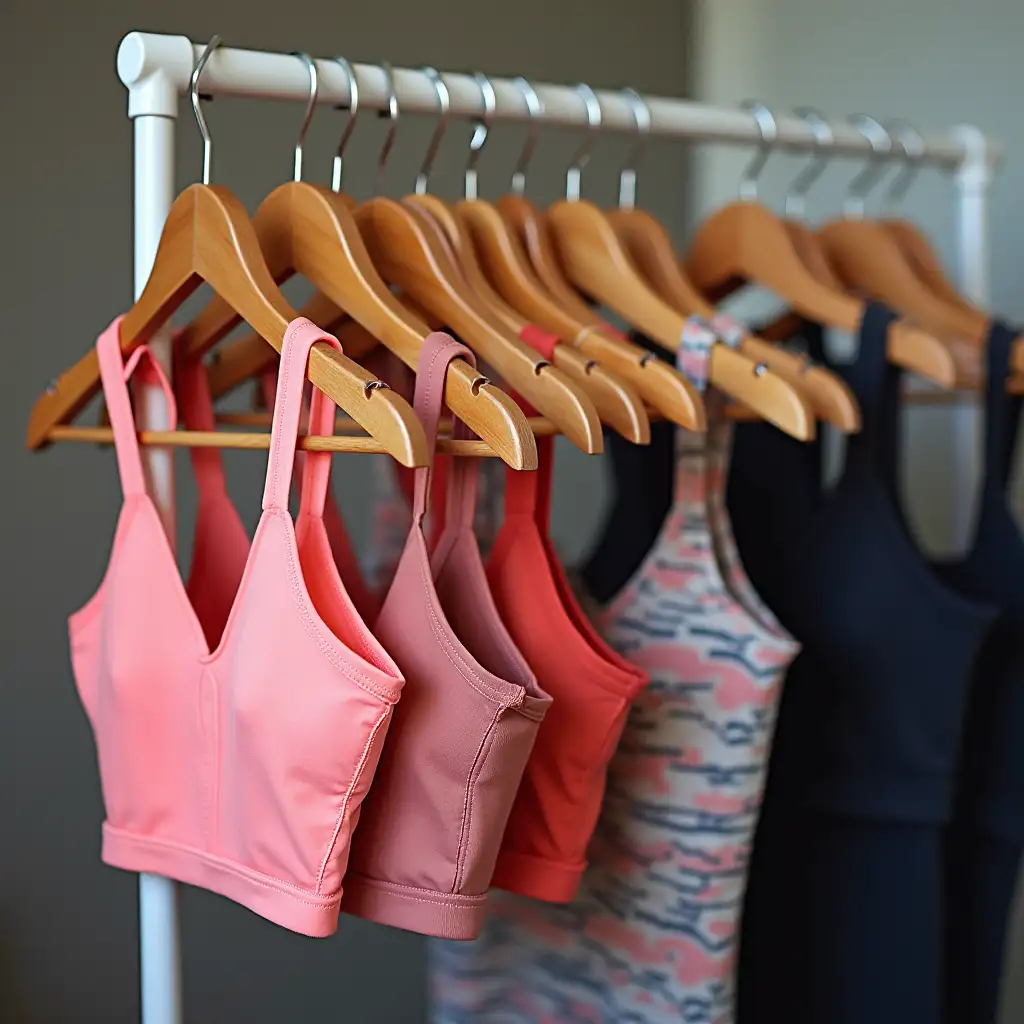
[
  {"x": 649, "y": 245},
  {"x": 407, "y": 257}
]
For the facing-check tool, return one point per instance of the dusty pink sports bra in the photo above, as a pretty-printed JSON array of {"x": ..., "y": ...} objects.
[
  {"x": 238, "y": 730},
  {"x": 424, "y": 853}
]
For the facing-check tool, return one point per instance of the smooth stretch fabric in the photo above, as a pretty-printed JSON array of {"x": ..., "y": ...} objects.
[
  {"x": 365, "y": 600},
  {"x": 432, "y": 825},
  {"x": 651, "y": 935},
  {"x": 233, "y": 760},
  {"x": 986, "y": 838},
  {"x": 543, "y": 853},
  {"x": 843, "y": 917}
]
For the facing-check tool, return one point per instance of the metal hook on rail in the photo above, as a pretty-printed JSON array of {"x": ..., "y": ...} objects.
[
  {"x": 796, "y": 194},
  {"x": 582, "y": 155},
  {"x": 534, "y": 108},
  {"x": 337, "y": 168},
  {"x": 389, "y": 141},
  {"x": 480, "y": 132},
  {"x": 874, "y": 170},
  {"x": 911, "y": 141},
  {"x": 627, "y": 176},
  {"x": 307, "y": 117},
  {"x": 444, "y": 105},
  {"x": 768, "y": 130},
  {"x": 197, "y": 108}
]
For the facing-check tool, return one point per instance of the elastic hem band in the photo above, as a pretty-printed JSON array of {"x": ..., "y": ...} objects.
[
  {"x": 537, "y": 878},
  {"x": 441, "y": 915},
  {"x": 286, "y": 905}
]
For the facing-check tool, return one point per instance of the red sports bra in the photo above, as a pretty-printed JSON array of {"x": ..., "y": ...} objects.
[{"x": 543, "y": 853}]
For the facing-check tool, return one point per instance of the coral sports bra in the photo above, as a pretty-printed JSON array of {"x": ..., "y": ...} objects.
[{"x": 233, "y": 758}]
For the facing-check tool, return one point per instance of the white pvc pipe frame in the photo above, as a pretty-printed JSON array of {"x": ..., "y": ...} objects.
[{"x": 156, "y": 70}]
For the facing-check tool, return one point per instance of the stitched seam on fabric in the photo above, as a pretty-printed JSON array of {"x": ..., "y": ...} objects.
[
  {"x": 313, "y": 629},
  {"x": 456, "y": 659},
  {"x": 285, "y": 383},
  {"x": 248, "y": 874},
  {"x": 408, "y": 892},
  {"x": 467, "y": 808},
  {"x": 385, "y": 715}
]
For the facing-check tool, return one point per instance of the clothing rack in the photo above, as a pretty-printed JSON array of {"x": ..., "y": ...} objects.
[{"x": 156, "y": 70}]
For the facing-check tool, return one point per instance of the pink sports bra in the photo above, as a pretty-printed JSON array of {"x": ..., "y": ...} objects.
[
  {"x": 424, "y": 853},
  {"x": 365, "y": 600},
  {"x": 238, "y": 730}
]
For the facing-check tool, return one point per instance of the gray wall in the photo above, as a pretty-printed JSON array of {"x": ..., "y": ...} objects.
[
  {"x": 68, "y": 924},
  {"x": 936, "y": 63}
]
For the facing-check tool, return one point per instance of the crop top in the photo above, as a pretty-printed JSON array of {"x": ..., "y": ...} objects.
[{"x": 237, "y": 735}]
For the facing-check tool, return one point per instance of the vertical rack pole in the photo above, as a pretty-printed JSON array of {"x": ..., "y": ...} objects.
[
  {"x": 973, "y": 185},
  {"x": 159, "y": 938}
]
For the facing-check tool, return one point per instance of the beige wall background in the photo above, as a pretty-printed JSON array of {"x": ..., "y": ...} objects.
[{"x": 67, "y": 924}]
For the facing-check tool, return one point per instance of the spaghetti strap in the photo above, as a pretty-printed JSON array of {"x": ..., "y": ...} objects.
[
  {"x": 115, "y": 372},
  {"x": 300, "y": 337}
]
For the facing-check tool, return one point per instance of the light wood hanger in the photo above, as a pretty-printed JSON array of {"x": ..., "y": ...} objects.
[
  {"x": 308, "y": 229},
  {"x": 867, "y": 257},
  {"x": 409, "y": 253},
  {"x": 208, "y": 237},
  {"x": 661, "y": 384},
  {"x": 648, "y": 244},
  {"x": 598, "y": 265},
  {"x": 504, "y": 263},
  {"x": 616, "y": 402},
  {"x": 745, "y": 241}
]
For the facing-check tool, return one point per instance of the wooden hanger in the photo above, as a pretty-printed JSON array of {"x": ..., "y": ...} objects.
[
  {"x": 598, "y": 265},
  {"x": 648, "y": 244},
  {"x": 208, "y": 237},
  {"x": 409, "y": 253},
  {"x": 616, "y": 402},
  {"x": 308, "y": 229},
  {"x": 745, "y": 241}
]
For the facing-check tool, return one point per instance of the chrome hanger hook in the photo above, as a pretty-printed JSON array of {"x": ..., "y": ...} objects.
[
  {"x": 480, "y": 131},
  {"x": 314, "y": 91},
  {"x": 582, "y": 155},
  {"x": 874, "y": 170},
  {"x": 389, "y": 141},
  {"x": 768, "y": 130},
  {"x": 197, "y": 109},
  {"x": 911, "y": 141},
  {"x": 535, "y": 108},
  {"x": 794, "y": 203},
  {"x": 627, "y": 176},
  {"x": 444, "y": 106},
  {"x": 353, "y": 112}
]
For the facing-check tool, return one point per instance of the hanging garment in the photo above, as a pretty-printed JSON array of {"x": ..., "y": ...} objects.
[
  {"x": 642, "y": 478},
  {"x": 543, "y": 853},
  {"x": 236, "y": 762},
  {"x": 651, "y": 935},
  {"x": 841, "y": 921},
  {"x": 430, "y": 831},
  {"x": 365, "y": 600},
  {"x": 393, "y": 497},
  {"x": 986, "y": 838}
]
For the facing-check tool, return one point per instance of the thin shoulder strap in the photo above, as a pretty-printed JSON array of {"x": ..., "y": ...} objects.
[
  {"x": 1002, "y": 411},
  {"x": 300, "y": 337},
  {"x": 438, "y": 351},
  {"x": 115, "y": 373},
  {"x": 195, "y": 407},
  {"x": 876, "y": 383},
  {"x": 528, "y": 493}
]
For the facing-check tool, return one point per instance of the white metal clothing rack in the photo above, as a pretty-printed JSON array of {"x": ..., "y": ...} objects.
[{"x": 156, "y": 70}]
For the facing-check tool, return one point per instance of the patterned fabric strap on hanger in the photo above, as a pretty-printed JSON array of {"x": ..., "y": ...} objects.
[{"x": 693, "y": 357}]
